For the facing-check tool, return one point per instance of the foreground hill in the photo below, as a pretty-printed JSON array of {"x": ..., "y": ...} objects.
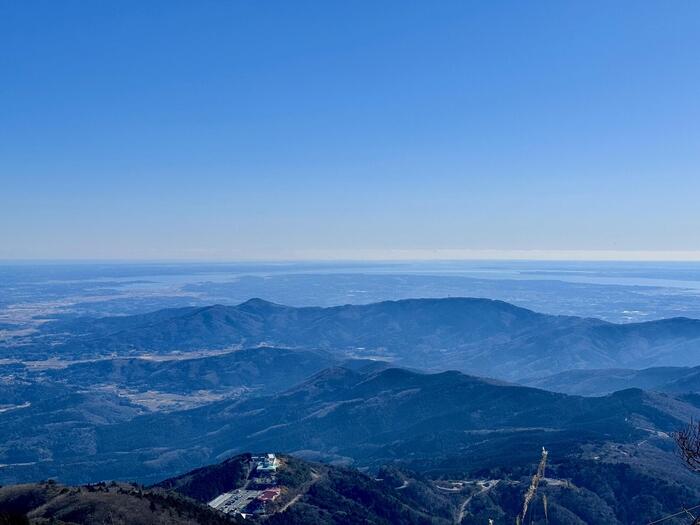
[
  {"x": 113, "y": 503},
  {"x": 479, "y": 336},
  {"x": 308, "y": 493},
  {"x": 312, "y": 493}
]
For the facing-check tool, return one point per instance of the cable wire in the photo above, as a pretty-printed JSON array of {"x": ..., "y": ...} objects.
[{"x": 671, "y": 516}]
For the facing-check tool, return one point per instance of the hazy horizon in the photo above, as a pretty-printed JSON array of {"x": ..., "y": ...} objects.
[{"x": 573, "y": 256}]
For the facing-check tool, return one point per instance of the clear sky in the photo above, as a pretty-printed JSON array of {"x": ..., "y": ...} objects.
[{"x": 286, "y": 129}]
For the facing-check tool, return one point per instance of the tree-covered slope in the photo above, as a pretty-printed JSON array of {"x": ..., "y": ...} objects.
[{"x": 478, "y": 336}]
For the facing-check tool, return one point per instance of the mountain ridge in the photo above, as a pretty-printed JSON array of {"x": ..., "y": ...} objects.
[
  {"x": 604, "y": 381},
  {"x": 369, "y": 418},
  {"x": 477, "y": 336}
]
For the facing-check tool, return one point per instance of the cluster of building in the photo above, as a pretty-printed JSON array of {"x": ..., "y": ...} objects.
[
  {"x": 266, "y": 463},
  {"x": 259, "y": 490}
]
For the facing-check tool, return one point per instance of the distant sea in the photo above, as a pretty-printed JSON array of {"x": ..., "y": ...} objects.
[{"x": 614, "y": 291}]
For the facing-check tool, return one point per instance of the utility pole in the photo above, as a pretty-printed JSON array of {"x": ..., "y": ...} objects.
[{"x": 532, "y": 491}]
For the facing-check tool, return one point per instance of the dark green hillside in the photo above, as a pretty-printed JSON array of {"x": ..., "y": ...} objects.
[
  {"x": 446, "y": 426},
  {"x": 347, "y": 497},
  {"x": 371, "y": 418},
  {"x": 54, "y": 423},
  {"x": 118, "y": 504},
  {"x": 205, "y": 483},
  {"x": 313, "y": 493},
  {"x": 578, "y": 492},
  {"x": 583, "y": 492}
]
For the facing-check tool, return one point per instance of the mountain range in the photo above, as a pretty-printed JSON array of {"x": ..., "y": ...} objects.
[
  {"x": 477, "y": 336},
  {"x": 398, "y": 390},
  {"x": 366, "y": 417}
]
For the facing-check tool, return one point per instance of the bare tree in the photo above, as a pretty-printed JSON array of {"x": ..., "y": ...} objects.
[
  {"x": 688, "y": 447},
  {"x": 688, "y": 442}
]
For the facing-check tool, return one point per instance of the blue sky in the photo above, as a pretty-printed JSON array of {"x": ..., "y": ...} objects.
[{"x": 349, "y": 129}]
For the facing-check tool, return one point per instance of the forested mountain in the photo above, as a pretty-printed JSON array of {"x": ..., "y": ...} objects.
[
  {"x": 97, "y": 504},
  {"x": 261, "y": 370},
  {"x": 446, "y": 421},
  {"x": 137, "y": 399},
  {"x": 478, "y": 336},
  {"x": 310, "y": 493}
]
